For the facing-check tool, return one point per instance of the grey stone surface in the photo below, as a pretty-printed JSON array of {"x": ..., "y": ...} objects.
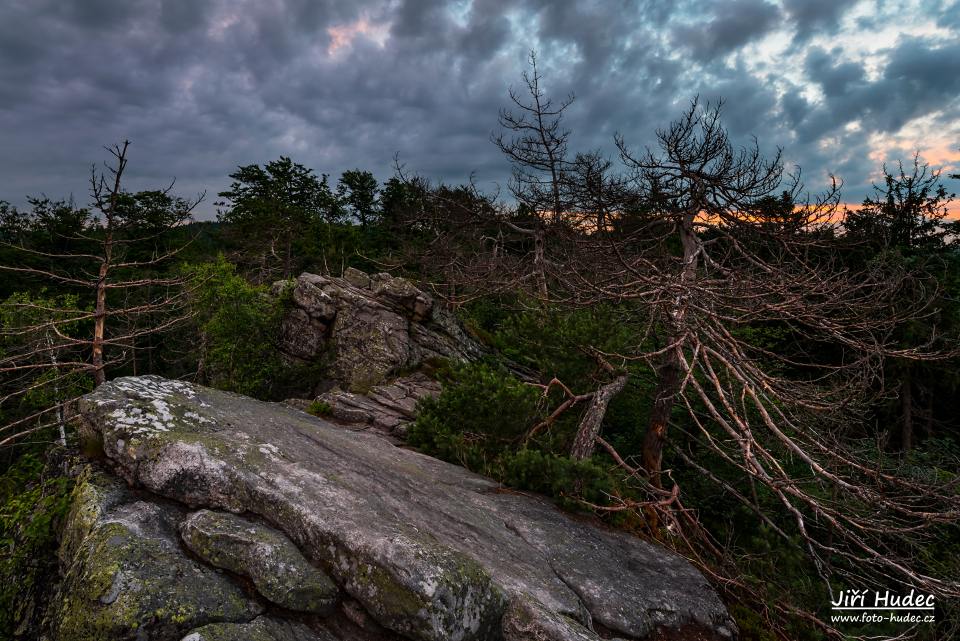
[
  {"x": 260, "y": 629},
  {"x": 527, "y": 620},
  {"x": 125, "y": 575},
  {"x": 368, "y": 328},
  {"x": 388, "y": 408},
  {"x": 429, "y": 549},
  {"x": 271, "y": 561}
]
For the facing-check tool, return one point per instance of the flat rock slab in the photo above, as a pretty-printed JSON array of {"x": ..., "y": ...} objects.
[
  {"x": 126, "y": 576},
  {"x": 261, "y": 629},
  {"x": 429, "y": 549},
  {"x": 268, "y": 558}
]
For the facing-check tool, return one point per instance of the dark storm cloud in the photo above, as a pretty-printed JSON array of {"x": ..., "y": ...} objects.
[
  {"x": 834, "y": 78},
  {"x": 917, "y": 79},
  {"x": 812, "y": 17},
  {"x": 950, "y": 15},
  {"x": 726, "y": 27},
  {"x": 201, "y": 86}
]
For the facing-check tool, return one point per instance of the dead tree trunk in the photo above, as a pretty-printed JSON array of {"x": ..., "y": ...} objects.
[
  {"x": 669, "y": 372},
  {"x": 61, "y": 417},
  {"x": 589, "y": 427},
  {"x": 99, "y": 325},
  {"x": 539, "y": 262},
  {"x": 668, "y": 384},
  {"x": 106, "y": 198}
]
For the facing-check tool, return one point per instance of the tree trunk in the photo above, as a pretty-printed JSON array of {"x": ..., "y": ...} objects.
[
  {"x": 668, "y": 384},
  {"x": 61, "y": 417},
  {"x": 109, "y": 210},
  {"x": 669, "y": 375},
  {"x": 99, "y": 324},
  {"x": 590, "y": 423},
  {"x": 539, "y": 262}
]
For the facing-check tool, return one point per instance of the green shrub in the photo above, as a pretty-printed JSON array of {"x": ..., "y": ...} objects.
[
  {"x": 482, "y": 410},
  {"x": 481, "y": 420},
  {"x": 32, "y": 506},
  {"x": 558, "y": 476},
  {"x": 320, "y": 408},
  {"x": 239, "y": 326},
  {"x": 553, "y": 342}
]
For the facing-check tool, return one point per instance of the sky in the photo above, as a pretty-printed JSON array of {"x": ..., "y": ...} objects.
[{"x": 203, "y": 86}]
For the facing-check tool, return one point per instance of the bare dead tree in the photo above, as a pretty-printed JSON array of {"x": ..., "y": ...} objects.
[
  {"x": 705, "y": 262},
  {"x": 116, "y": 297},
  {"x": 537, "y": 149},
  {"x": 704, "y": 241},
  {"x": 596, "y": 193},
  {"x": 699, "y": 177}
]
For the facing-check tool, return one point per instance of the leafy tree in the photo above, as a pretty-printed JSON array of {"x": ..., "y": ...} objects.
[
  {"x": 357, "y": 193},
  {"x": 43, "y": 237},
  {"x": 275, "y": 208},
  {"x": 905, "y": 220},
  {"x": 907, "y": 212},
  {"x": 402, "y": 201},
  {"x": 58, "y": 223},
  {"x": 40, "y": 353},
  {"x": 777, "y": 214},
  {"x": 12, "y": 221},
  {"x": 238, "y": 325}
]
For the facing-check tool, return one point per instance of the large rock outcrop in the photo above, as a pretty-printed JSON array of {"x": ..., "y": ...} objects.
[
  {"x": 418, "y": 548},
  {"x": 368, "y": 328}
]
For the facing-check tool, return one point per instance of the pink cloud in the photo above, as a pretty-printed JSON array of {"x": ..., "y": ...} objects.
[{"x": 343, "y": 36}]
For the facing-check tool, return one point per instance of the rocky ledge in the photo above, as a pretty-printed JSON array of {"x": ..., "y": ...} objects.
[
  {"x": 387, "y": 409},
  {"x": 249, "y": 520},
  {"x": 368, "y": 328}
]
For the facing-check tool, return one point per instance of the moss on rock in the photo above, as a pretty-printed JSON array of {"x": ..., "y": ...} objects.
[
  {"x": 125, "y": 575},
  {"x": 274, "y": 564},
  {"x": 260, "y": 629},
  {"x": 450, "y": 596}
]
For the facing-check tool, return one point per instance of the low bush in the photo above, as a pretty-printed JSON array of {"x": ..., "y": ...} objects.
[
  {"x": 481, "y": 421},
  {"x": 33, "y": 504}
]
